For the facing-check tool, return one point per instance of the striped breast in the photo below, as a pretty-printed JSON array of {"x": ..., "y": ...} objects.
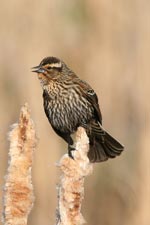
[{"x": 65, "y": 107}]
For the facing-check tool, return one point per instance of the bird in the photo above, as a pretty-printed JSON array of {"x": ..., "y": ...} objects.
[{"x": 70, "y": 102}]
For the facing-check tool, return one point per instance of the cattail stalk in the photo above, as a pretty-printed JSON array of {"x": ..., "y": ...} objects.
[
  {"x": 71, "y": 186},
  {"x": 18, "y": 190}
]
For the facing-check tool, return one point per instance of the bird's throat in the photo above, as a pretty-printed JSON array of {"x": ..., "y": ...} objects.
[{"x": 44, "y": 80}]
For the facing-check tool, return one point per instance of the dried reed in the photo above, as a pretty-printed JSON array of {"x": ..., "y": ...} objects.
[
  {"x": 18, "y": 190},
  {"x": 71, "y": 187}
]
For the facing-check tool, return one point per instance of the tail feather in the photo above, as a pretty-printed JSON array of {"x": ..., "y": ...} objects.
[
  {"x": 97, "y": 153},
  {"x": 103, "y": 146}
]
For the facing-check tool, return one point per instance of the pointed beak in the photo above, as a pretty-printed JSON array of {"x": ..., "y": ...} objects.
[{"x": 37, "y": 69}]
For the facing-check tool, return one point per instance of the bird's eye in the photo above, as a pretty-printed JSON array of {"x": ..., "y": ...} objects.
[
  {"x": 91, "y": 92},
  {"x": 48, "y": 67}
]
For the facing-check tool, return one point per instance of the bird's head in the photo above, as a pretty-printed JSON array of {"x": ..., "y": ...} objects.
[{"x": 50, "y": 68}]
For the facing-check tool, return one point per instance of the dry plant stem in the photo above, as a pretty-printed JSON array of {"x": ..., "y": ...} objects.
[
  {"x": 18, "y": 190},
  {"x": 71, "y": 187}
]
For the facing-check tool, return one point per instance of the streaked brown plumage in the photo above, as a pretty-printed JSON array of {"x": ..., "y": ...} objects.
[{"x": 69, "y": 103}]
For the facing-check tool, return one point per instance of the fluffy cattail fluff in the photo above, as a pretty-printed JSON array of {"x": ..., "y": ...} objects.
[
  {"x": 71, "y": 185},
  {"x": 18, "y": 190}
]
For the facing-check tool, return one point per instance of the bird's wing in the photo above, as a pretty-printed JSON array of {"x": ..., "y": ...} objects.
[{"x": 91, "y": 96}]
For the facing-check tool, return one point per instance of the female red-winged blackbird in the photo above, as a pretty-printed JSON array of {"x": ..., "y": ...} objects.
[{"x": 69, "y": 103}]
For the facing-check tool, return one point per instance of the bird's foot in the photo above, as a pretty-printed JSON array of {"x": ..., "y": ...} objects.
[{"x": 70, "y": 149}]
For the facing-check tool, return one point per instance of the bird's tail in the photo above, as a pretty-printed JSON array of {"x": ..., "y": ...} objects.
[{"x": 103, "y": 145}]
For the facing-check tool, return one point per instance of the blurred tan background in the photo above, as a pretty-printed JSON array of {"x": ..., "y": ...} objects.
[{"x": 107, "y": 43}]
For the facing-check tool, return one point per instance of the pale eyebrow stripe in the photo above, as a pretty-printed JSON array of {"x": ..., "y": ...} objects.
[{"x": 58, "y": 65}]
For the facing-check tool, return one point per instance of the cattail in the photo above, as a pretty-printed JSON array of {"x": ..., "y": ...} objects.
[
  {"x": 71, "y": 186},
  {"x": 18, "y": 190}
]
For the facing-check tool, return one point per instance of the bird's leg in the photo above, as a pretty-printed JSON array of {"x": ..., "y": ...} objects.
[
  {"x": 70, "y": 149},
  {"x": 67, "y": 137},
  {"x": 71, "y": 146}
]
